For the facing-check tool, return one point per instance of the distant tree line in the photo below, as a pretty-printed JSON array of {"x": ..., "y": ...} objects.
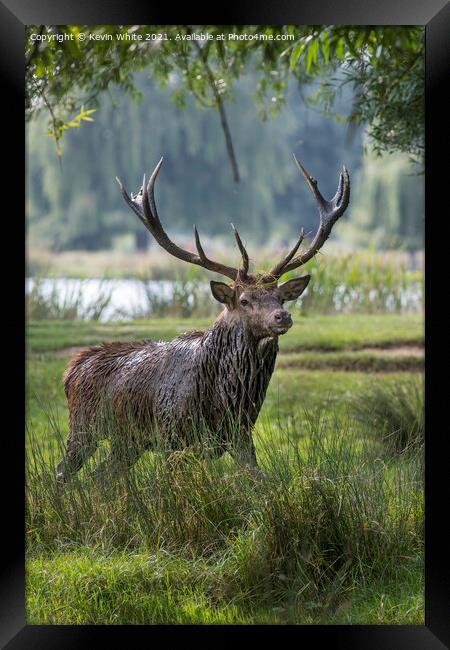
[
  {"x": 75, "y": 202},
  {"x": 371, "y": 77}
]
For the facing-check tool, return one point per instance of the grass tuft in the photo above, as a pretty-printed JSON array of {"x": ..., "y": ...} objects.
[{"x": 394, "y": 412}]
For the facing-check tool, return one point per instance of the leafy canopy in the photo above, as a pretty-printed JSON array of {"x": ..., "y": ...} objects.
[{"x": 70, "y": 66}]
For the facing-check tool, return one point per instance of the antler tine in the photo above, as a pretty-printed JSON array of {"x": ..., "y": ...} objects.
[
  {"x": 145, "y": 208},
  {"x": 134, "y": 206},
  {"x": 329, "y": 212},
  {"x": 201, "y": 252},
  {"x": 277, "y": 270},
  {"x": 245, "y": 261},
  {"x": 310, "y": 181},
  {"x": 151, "y": 190}
]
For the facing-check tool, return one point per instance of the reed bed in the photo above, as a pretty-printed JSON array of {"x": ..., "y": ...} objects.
[{"x": 363, "y": 282}]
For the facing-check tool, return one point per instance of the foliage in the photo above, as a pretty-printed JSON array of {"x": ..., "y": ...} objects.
[
  {"x": 186, "y": 298},
  {"x": 123, "y": 588},
  {"x": 59, "y": 66},
  {"x": 200, "y": 541},
  {"x": 343, "y": 283},
  {"x": 384, "y": 66},
  {"x": 56, "y": 131},
  {"x": 386, "y": 70},
  {"x": 388, "y": 204},
  {"x": 368, "y": 75}
]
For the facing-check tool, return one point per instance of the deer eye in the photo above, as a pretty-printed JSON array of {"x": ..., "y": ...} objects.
[{"x": 244, "y": 302}]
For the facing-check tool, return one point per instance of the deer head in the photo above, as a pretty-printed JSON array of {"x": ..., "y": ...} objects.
[{"x": 254, "y": 300}]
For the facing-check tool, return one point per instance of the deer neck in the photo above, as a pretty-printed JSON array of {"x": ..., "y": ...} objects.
[
  {"x": 241, "y": 364},
  {"x": 233, "y": 339}
]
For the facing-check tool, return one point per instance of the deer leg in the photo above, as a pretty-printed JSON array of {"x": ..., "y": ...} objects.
[
  {"x": 243, "y": 451},
  {"x": 244, "y": 457},
  {"x": 124, "y": 457},
  {"x": 78, "y": 452},
  {"x": 120, "y": 459}
]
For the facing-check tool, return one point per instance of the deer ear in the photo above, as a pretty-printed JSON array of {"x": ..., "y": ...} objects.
[
  {"x": 222, "y": 292},
  {"x": 292, "y": 289}
]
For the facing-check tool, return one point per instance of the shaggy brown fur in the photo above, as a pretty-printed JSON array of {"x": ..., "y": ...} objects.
[{"x": 202, "y": 390}]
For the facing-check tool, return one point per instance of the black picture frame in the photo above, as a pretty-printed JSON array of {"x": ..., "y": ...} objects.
[{"x": 435, "y": 15}]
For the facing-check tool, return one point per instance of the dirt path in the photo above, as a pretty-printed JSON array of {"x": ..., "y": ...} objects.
[{"x": 401, "y": 358}]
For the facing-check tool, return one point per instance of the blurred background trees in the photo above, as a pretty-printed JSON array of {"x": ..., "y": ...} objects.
[{"x": 221, "y": 112}]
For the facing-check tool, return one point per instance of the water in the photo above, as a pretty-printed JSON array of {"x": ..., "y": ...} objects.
[{"x": 128, "y": 297}]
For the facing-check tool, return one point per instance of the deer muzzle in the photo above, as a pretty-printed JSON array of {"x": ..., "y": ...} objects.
[{"x": 281, "y": 321}]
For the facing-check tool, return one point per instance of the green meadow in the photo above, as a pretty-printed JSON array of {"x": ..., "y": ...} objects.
[
  {"x": 332, "y": 533},
  {"x": 331, "y": 530}
]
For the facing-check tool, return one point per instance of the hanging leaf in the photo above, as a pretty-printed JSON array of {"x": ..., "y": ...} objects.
[
  {"x": 325, "y": 46},
  {"x": 312, "y": 55},
  {"x": 298, "y": 50}
]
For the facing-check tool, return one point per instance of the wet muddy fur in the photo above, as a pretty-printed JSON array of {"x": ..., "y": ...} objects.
[{"x": 201, "y": 389}]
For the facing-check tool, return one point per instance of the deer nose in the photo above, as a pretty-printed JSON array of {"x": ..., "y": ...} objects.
[{"x": 282, "y": 317}]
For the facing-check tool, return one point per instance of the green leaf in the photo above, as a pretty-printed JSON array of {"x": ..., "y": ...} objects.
[
  {"x": 40, "y": 69},
  {"x": 312, "y": 54},
  {"x": 339, "y": 48},
  {"x": 325, "y": 46},
  {"x": 297, "y": 52}
]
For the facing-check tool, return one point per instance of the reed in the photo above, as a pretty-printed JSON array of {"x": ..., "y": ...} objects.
[{"x": 50, "y": 303}]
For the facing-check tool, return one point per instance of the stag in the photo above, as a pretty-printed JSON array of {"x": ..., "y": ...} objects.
[{"x": 160, "y": 395}]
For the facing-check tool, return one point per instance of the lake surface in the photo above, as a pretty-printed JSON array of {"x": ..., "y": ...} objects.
[
  {"x": 130, "y": 298},
  {"x": 127, "y": 297}
]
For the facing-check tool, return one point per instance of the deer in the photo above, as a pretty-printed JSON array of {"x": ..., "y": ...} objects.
[{"x": 202, "y": 390}]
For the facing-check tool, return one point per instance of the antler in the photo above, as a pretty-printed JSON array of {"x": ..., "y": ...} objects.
[
  {"x": 144, "y": 206},
  {"x": 329, "y": 212}
]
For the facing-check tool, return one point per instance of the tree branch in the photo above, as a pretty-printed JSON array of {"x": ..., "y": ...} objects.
[{"x": 221, "y": 108}]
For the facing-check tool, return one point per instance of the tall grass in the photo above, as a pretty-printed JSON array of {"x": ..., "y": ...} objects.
[
  {"x": 189, "y": 296},
  {"x": 364, "y": 282},
  {"x": 48, "y": 302},
  {"x": 395, "y": 413},
  {"x": 361, "y": 282},
  {"x": 327, "y": 512}
]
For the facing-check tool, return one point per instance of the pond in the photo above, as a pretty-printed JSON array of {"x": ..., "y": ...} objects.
[
  {"x": 125, "y": 299},
  {"x": 126, "y": 296}
]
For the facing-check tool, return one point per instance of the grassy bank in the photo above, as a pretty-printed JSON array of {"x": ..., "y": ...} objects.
[
  {"x": 333, "y": 532},
  {"x": 337, "y": 332},
  {"x": 131, "y": 588}
]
